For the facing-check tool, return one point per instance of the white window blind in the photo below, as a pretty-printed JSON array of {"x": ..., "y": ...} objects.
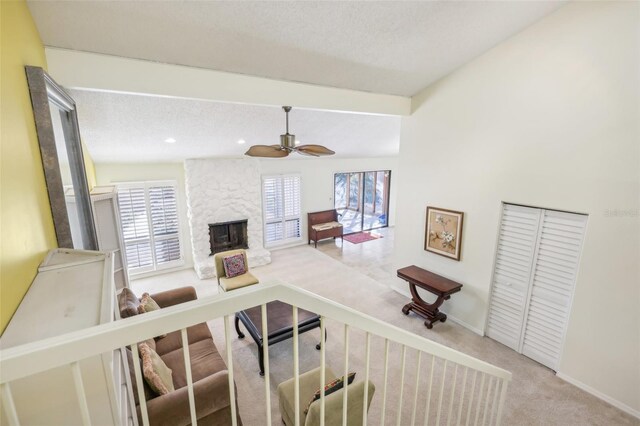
[
  {"x": 281, "y": 208},
  {"x": 150, "y": 226}
]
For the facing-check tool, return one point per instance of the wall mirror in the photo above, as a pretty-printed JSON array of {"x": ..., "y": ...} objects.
[{"x": 63, "y": 161}]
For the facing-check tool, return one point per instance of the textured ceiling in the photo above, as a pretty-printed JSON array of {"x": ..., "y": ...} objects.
[
  {"x": 132, "y": 128},
  {"x": 384, "y": 47}
]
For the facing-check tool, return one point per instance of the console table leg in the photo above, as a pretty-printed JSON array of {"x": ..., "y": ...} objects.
[{"x": 429, "y": 311}]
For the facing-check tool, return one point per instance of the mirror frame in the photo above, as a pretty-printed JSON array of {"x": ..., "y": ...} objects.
[{"x": 43, "y": 89}]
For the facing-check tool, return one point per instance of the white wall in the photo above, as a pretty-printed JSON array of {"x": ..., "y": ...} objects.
[
  {"x": 548, "y": 118},
  {"x": 317, "y": 179},
  {"x": 107, "y": 174}
]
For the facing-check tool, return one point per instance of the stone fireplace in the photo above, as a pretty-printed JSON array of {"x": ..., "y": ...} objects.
[
  {"x": 225, "y": 236},
  {"x": 224, "y": 191}
]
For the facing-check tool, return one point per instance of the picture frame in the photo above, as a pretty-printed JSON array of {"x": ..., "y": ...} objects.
[{"x": 443, "y": 232}]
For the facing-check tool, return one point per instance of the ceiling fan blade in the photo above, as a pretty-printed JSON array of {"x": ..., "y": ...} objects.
[
  {"x": 315, "y": 150},
  {"x": 269, "y": 151}
]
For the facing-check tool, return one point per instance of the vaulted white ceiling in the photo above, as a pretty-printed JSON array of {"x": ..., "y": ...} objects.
[
  {"x": 384, "y": 47},
  {"x": 133, "y": 128}
]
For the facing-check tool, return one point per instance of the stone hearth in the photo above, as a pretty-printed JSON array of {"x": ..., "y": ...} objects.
[{"x": 223, "y": 190}]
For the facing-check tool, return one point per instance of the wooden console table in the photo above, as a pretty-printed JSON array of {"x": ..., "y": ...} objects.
[{"x": 433, "y": 283}]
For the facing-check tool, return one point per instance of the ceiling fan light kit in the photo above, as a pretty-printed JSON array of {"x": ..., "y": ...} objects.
[{"x": 287, "y": 145}]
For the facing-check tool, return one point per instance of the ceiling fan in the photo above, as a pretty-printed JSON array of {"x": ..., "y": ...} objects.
[{"x": 287, "y": 145}]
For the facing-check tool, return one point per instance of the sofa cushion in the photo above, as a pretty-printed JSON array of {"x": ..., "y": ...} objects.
[
  {"x": 148, "y": 392},
  {"x": 173, "y": 340},
  {"x": 128, "y": 303},
  {"x": 205, "y": 361},
  {"x": 155, "y": 371}
]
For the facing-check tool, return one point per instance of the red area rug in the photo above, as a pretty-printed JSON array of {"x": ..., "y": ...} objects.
[{"x": 361, "y": 237}]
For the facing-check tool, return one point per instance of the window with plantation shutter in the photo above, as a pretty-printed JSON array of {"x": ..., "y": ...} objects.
[
  {"x": 281, "y": 209},
  {"x": 150, "y": 226}
]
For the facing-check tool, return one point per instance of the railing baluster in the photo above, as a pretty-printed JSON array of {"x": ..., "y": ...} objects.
[
  {"x": 346, "y": 373},
  {"x": 386, "y": 374},
  {"x": 9, "y": 405},
  {"x": 486, "y": 401},
  {"x": 296, "y": 367},
  {"x": 265, "y": 358},
  {"x": 187, "y": 370},
  {"x": 484, "y": 376},
  {"x": 366, "y": 379},
  {"x": 453, "y": 393},
  {"x": 494, "y": 404},
  {"x": 473, "y": 390},
  {"x": 80, "y": 393},
  {"x": 232, "y": 388},
  {"x": 139, "y": 384},
  {"x": 427, "y": 410},
  {"x": 402, "y": 370},
  {"x": 503, "y": 396},
  {"x": 415, "y": 395},
  {"x": 323, "y": 369},
  {"x": 444, "y": 377},
  {"x": 464, "y": 388}
]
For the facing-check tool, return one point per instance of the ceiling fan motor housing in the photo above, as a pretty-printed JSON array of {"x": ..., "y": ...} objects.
[{"x": 288, "y": 141}]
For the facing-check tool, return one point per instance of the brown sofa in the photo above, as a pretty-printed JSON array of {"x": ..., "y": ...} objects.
[{"x": 209, "y": 371}]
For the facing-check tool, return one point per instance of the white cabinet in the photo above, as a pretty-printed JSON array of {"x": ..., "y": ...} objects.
[
  {"x": 535, "y": 269},
  {"x": 73, "y": 290},
  {"x": 106, "y": 216}
]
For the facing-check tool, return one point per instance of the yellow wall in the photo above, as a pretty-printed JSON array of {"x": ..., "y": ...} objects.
[{"x": 26, "y": 225}]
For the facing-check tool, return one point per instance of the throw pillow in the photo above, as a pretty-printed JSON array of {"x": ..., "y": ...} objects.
[
  {"x": 331, "y": 387},
  {"x": 234, "y": 265},
  {"x": 147, "y": 304},
  {"x": 156, "y": 373},
  {"x": 129, "y": 303}
]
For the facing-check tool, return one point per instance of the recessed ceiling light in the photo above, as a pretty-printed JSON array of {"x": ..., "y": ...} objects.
[
  {"x": 170, "y": 140},
  {"x": 297, "y": 142},
  {"x": 241, "y": 141}
]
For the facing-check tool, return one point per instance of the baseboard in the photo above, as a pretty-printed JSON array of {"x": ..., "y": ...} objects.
[
  {"x": 620, "y": 405},
  {"x": 458, "y": 321}
]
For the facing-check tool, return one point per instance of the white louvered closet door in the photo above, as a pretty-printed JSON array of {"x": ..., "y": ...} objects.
[
  {"x": 512, "y": 274},
  {"x": 554, "y": 275},
  {"x": 535, "y": 271}
]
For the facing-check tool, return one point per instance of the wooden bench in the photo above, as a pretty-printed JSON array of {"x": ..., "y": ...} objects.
[{"x": 323, "y": 225}]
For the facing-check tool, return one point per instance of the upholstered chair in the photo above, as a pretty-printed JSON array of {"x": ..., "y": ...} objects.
[
  {"x": 227, "y": 284},
  {"x": 309, "y": 384}
]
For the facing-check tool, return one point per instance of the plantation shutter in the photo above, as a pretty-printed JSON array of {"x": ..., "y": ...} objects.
[
  {"x": 514, "y": 258},
  {"x": 552, "y": 287},
  {"x": 281, "y": 207},
  {"x": 535, "y": 270},
  {"x": 149, "y": 215},
  {"x": 135, "y": 227}
]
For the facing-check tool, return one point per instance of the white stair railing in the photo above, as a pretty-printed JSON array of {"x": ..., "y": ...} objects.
[{"x": 468, "y": 391}]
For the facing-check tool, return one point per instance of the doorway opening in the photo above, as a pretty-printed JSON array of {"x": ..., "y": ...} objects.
[{"x": 362, "y": 199}]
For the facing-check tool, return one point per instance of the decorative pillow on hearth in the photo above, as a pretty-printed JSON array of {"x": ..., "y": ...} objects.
[
  {"x": 331, "y": 387},
  {"x": 234, "y": 265},
  {"x": 156, "y": 373}
]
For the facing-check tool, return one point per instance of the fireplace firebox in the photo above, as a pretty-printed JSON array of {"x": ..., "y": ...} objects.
[{"x": 225, "y": 236}]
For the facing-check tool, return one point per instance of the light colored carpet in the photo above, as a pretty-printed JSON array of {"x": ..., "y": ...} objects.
[{"x": 535, "y": 396}]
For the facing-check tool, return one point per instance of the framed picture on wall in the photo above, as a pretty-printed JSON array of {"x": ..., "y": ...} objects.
[{"x": 443, "y": 234}]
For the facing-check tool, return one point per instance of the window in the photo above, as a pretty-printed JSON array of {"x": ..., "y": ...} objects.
[
  {"x": 281, "y": 209},
  {"x": 150, "y": 226}
]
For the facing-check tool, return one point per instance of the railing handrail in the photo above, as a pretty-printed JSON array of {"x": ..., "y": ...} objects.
[{"x": 31, "y": 358}]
